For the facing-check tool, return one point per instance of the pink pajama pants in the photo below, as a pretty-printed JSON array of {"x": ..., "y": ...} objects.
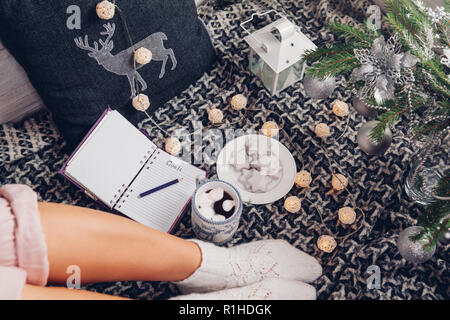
[{"x": 23, "y": 250}]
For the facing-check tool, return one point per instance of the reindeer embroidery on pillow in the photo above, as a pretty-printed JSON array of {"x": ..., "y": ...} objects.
[{"x": 122, "y": 64}]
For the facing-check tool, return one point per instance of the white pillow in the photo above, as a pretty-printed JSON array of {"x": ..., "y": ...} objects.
[{"x": 18, "y": 98}]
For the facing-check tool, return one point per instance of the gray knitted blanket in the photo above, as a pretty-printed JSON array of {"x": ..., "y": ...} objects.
[{"x": 31, "y": 153}]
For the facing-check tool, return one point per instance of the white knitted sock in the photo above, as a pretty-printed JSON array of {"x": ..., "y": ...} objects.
[
  {"x": 245, "y": 264},
  {"x": 269, "y": 289}
]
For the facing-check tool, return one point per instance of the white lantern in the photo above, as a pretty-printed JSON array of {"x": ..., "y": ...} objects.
[{"x": 276, "y": 51}]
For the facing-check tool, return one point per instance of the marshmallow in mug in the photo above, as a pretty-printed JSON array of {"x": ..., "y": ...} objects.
[{"x": 206, "y": 200}]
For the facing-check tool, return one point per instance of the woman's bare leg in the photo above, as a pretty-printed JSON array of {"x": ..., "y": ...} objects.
[
  {"x": 57, "y": 293},
  {"x": 111, "y": 248}
]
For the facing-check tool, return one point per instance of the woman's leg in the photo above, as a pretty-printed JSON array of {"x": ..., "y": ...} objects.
[
  {"x": 57, "y": 293},
  {"x": 111, "y": 248}
]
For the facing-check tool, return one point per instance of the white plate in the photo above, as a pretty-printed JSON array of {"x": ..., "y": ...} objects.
[{"x": 227, "y": 173}]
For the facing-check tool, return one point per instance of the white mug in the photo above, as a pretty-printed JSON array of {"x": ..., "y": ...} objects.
[{"x": 206, "y": 229}]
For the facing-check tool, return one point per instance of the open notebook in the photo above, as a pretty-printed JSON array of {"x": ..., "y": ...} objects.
[{"x": 116, "y": 162}]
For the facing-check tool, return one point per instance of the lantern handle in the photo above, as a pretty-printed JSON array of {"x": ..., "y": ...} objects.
[{"x": 263, "y": 46}]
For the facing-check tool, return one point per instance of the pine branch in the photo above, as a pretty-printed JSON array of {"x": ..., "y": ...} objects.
[
  {"x": 397, "y": 10},
  {"x": 435, "y": 219},
  {"x": 351, "y": 34},
  {"x": 407, "y": 25},
  {"x": 322, "y": 52},
  {"x": 431, "y": 127},
  {"x": 435, "y": 69},
  {"x": 333, "y": 65},
  {"x": 397, "y": 109}
]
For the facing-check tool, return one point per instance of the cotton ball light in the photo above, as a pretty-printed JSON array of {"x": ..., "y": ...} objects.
[
  {"x": 347, "y": 215},
  {"x": 238, "y": 102},
  {"x": 326, "y": 243},
  {"x": 143, "y": 56},
  {"x": 270, "y": 129},
  {"x": 106, "y": 10},
  {"x": 322, "y": 130},
  {"x": 292, "y": 204},
  {"x": 340, "y": 108},
  {"x": 303, "y": 179},
  {"x": 215, "y": 116},
  {"x": 141, "y": 102},
  {"x": 339, "y": 182},
  {"x": 173, "y": 146}
]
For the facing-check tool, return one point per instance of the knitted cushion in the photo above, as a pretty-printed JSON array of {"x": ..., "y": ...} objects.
[{"x": 79, "y": 67}]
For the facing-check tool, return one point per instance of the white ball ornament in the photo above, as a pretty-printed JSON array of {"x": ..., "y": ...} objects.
[
  {"x": 238, "y": 102},
  {"x": 414, "y": 251},
  {"x": 143, "y": 56},
  {"x": 215, "y": 116},
  {"x": 173, "y": 146},
  {"x": 141, "y": 102},
  {"x": 106, "y": 10}
]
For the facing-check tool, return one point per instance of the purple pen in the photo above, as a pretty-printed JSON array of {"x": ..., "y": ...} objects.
[{"x": 168, "y": 184}]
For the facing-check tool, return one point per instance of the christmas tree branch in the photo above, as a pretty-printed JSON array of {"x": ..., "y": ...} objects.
[
  {"x": 333, "y": 65},
  {"x": 435, "y": 219},
  {"x": 350, "y": 33},
  {"x": 431, "y": 127},
  {"x": 436, "y": 70},
  {"x": 399, "y": 13},
  {"x": 322, "y": 52},
  {"x": 392, "y": 115}
]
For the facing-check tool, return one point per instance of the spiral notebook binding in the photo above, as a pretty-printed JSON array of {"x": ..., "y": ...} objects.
[
  {"x": 123, "y": 192},
  {"x": 152, "y": 159}
]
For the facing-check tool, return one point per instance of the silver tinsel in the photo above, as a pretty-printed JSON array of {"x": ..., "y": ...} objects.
[
  {"x": 362, "y": 108},
  {"x": 413, "y": 251},
  {"x": 382, "y": 67},
  {"x": 367, "y": 144},
  {"x": 316, "y": 88}
]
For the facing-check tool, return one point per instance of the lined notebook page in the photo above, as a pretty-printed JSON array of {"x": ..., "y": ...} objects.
[
  {"x": 111, "y": 158},
  {"x": 161, "y": 209}
]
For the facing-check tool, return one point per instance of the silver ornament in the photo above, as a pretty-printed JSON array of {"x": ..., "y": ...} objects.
[
  {"x": 413, "y": 251},
  {"x": 446, "y": 238},
  {"x": 363, "y": 109},
  {"x": 382, "y": 68},
  {"x": 316, "y": 88},
  {"x": 370, "y": 146}
]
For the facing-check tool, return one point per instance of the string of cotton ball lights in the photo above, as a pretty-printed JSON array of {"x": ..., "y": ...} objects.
[
  {"x": 346, "y": 216},
  {"x": 106, "y": 10}
]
